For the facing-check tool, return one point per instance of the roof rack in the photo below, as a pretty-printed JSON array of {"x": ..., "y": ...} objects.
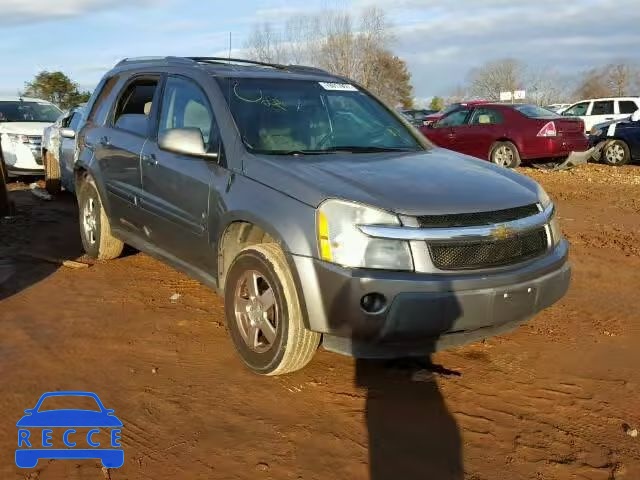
[
  {"x": 217, "y": 60},
  {"x": 279, "y": 66}
]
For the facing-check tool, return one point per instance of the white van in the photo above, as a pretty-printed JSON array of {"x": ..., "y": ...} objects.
[
  {"x": 22, "y": 121},
  {"x": 599, "y": 110}
]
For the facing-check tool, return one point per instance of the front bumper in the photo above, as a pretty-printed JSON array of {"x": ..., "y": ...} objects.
[
  {"x": 22, "y": 158},
  {"x": 426, "y": 312}
]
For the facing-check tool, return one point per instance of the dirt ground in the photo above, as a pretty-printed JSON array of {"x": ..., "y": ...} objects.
[{"x": 557, "y": 399}]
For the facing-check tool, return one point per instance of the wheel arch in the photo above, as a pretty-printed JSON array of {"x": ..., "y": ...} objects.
[{"x": 243, "y": 230}]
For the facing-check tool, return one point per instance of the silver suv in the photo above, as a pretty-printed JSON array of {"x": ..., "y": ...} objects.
[{"x": 319, "y": 213}]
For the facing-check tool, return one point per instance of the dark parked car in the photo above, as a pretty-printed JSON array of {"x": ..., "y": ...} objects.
[
  {"x": 417, "y": 117},
  {"x": 435, "y": 116},
  {"x": 507, "y": 134},
  {"x": 313, "y": 209},
  {"x": 620, "y": 140}
]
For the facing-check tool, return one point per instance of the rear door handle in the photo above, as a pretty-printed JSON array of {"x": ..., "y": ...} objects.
[{"x": 150, "y": 159}]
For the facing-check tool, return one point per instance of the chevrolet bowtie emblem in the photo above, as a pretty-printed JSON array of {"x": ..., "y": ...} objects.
[{"x": 502, "y": 232}]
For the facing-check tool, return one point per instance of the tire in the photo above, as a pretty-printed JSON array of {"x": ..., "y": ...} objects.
[
  {"x": 95, "y": 230},
  {"x": 616, "y": 153},
  {"x": 51, "y": 174},
  {"x": 285, "y": 345},
  {"x": 505, "y": 154}
]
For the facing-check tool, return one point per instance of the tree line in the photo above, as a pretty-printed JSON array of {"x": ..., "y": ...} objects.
[{"x": 545, "y": 86}]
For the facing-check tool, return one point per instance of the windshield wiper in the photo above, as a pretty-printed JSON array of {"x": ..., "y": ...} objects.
[
  {"x": 369, "y": 149},
  {"x": 295, "y": 152}
]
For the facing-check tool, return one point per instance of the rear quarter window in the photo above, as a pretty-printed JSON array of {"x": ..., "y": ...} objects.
[{"x": 628, "y": 106}]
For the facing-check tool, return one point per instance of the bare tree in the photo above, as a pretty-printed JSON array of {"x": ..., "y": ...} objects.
[
  {"x": 489, "y": 80},
  {"x": 618, "y": 79},
  {"x": 356, "y": 48},
  {"x": 546, "y": 87}
]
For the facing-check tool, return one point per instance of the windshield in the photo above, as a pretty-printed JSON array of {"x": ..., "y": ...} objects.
[
  {"x": 533, "y": 111},
  {"x": 306, "y": 117},
  {"x": 22, "y": 111}
]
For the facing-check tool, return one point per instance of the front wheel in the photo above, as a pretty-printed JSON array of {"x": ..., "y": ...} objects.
[
  {"x": 616, "y": 153},
  {"x": 505, "y": 154},
  {"x": 95, "y": 229},
  {"x": 263, "y": 312}
]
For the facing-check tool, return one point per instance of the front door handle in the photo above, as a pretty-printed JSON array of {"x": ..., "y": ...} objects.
[
  {"x": 104, "y": 141},
  {"x": 150, "y": 159}
]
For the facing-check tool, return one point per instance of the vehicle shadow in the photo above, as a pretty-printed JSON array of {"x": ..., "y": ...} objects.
[
  {"x": 412, "y": 434},
  {"x": 36, "y": 239}
]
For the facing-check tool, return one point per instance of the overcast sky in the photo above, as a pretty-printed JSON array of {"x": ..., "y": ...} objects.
[{"x": 440, "y": 39}]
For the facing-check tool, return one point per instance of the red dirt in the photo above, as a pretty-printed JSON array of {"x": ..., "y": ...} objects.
[{"x": 548, "y": 401}]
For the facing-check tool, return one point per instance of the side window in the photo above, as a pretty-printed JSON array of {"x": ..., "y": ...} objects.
[
  {"x": 184, "y": 105},
  {"x": 486, "y": 116},
  {"x": 75, "y": 121},
  {"x": 628, "y": 106},
  {"x": 101, "y": 106},
  {"x": 454, "y": 119},
  {"x": 578, "y": 110},
  {"x": 134, "y": 106},
  {"x": 602, "y": 108},
  {"x": 66, "y": 121}
]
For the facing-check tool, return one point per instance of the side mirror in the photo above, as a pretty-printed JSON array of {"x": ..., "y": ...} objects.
[
  {"x": 186, "y": 141},
  {"x": 67, "y": 133}
]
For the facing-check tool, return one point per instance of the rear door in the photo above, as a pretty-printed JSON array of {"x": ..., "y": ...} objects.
[
  {"x": 601, "y": 111},
  {"x": 448, "y": 130},
  {"x": 486, "y": 124},
  {"x": 177, "y": 187},
  {"x": 626, "y": 107}
]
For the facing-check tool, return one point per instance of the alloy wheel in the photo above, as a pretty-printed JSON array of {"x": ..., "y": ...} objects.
[
  {"x": 90, "y": 221},
  {"x": 615, "y": 153},
  {"x": 256, "y": 311},
  {"x": 503, "y": 156}
]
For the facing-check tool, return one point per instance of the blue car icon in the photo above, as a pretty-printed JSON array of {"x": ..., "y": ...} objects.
[{"x": 31, "y": 448}]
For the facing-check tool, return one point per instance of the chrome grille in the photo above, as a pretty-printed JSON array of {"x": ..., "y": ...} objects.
[
  {"x": 35, "y": 143},
  {"x": 477, "y": 218},
  {"x": 464, "y": 256}
]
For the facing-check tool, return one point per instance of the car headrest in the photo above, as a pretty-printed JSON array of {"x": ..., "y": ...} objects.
[
  {"x": 636, "y": 116},
  {"x": 147, "y": 108},
  {"x": 133, "y": 122},
  {"x": 484, "y": 119}
]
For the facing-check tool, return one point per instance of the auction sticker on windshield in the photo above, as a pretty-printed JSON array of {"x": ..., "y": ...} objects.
[{"x": 342, "y": 87}]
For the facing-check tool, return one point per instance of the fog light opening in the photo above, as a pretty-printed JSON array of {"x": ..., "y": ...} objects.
[{"x": 373, "y": 303}]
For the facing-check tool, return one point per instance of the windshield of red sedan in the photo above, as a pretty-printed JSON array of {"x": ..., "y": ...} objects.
[{"x": 288, "y": 117}]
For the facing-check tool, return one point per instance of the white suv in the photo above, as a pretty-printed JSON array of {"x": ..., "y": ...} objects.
[
  {"x": 599, "y": 110},
  {"x": 22, "y": 121}
]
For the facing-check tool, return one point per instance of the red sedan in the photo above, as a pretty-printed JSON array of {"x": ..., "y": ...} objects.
[{"x": 507, "y": 134}]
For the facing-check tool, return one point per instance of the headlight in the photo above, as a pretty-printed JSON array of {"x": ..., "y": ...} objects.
[
  {"x": 340, "y": 241},
  {"x": 554, "y": 227},
  {"x": 18, "y": 138},
  {"x": 543, "y": 197},
  {"x": 596, "y": 132}
]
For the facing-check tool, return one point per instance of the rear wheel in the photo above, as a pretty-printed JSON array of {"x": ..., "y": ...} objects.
[
  {"x": 505, "y": 154},
  {"x": 263, "y": 312},
  {"x": 616, "y": 153},
  {"x": 51, "y": 173},
  {"x": 95, "y": 229}
]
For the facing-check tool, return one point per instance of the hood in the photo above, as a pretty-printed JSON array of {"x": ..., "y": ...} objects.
[
  {"x": 24, "y": 128},
  {"x": 434, "y": 182},
  {"x": 69, "y": 418}
]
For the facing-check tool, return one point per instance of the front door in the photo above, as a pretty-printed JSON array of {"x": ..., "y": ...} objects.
[
  {"x": 177, "y": 187},
  {"x": 68, "y": 149},
  {"x": 485, "y": 126},
  {"x": 447, "y": 130}
]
